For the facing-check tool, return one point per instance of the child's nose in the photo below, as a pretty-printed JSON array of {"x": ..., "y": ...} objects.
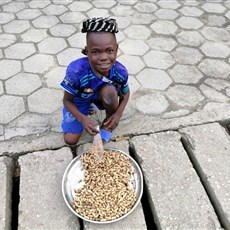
[{"x": 103, "y": 56}]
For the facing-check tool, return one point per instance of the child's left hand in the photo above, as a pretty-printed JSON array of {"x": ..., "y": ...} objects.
[{"x": 112, "y": 122}]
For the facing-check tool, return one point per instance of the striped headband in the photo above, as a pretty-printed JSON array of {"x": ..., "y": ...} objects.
[{"x": 100, "y": 25}]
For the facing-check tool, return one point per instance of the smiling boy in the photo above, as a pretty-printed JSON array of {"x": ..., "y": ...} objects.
[{"x": 97, "y": 78}]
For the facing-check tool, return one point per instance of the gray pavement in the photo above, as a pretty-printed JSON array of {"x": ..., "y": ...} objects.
[{"x": 176, "y": 124}]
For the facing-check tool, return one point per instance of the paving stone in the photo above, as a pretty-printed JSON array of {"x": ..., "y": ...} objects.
[
  {"x": 54, "y": 9},
  {"x": 13, "y": 7},
  {"x": 206, "y": 144},
  {"x": 1, "y": 88},
  {"x": 127, "y": 2},
  {"x": 189, "y": 23},
  {"x": 185, "y": 74},
  {"x": 190, "y": 38},
  {"x": 52, "y": 102},
  {"x": 98, "y": 13},
  {"x": 154, "y": 79},
  {"x": 177, "y": 113},
  {"x": 6, "y": 17},
  {"x": 78, "y": 40},
  {"x": 212, "y": 94},
  {"x": 187, "y": 55},
  {"x": 214, "y": 68},
  {"x": 20, "y": 51},
  {"x": 68, "y": 55},
  {"x": 167, "y": 180},
  {"x": 80, "y": 6},
  {"x": 29, "y": 14},
  {"x": 6, "y": 170},
  {"x": 38, "y": 4},
  {"x": 134, "y": 85},
  {"x": 34, "y": 35},
  {"x": 72, "y": 17},
  {"x": 228, "y": 92},
  {"x": 228, "y": 14},
  {"x": 213, "y": 7},
  {"x": 16, "y": 26},
  {"x": 62, "y": 30},
  {"x": 217, "y": 84},
  {"x": 137, "y": 32},
  {"x": 166, "y": 14},
  {"x": 216, "y": 34},
  {"x": 55, "y": 76},
  {"x": 1, "y": 133},
  {"x": 43, "y": 63},
  {"x": 184, "y": 95},
  {"x": 127, "y": 47},
  {"x": 123, "y": 22},
  {"x": 169, "y": 5},
  {"x": 191, "y": 11},
  {"x": 36, "y": 181},
  {"x": 66, "y": 2},
  {"x": 27, "y": 124},
  {"x": 4, "y": 2},
  {"x": 13, "y": 107},
  {"x": 133, "y": 63},
  {"x": 45, "y": 22},
  {"x": 142, "y": 19},
  {"x": 55, "y": 121},
  {"x": 121, "y": 10},
  {"x": 102, "y": 4},
  {"x": 214, "y": 20},
  {"x": 7, "y": 70},
  {"x": 215, "y": 49},
  {"x": 52, "y": 45},
  {"x": 164, "y": 27},
  {"x": 158, "y": 59},
  {"x": 32, "y": 143},
  {"x": 162, "y": 43},
  {"x": 23, "y": 84},
  {"x": 1, "y": 55},
  {"x": 151, "y": 103},
  {"x": 146, "y": 7}
]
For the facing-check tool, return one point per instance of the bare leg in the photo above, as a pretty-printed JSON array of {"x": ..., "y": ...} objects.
[
  {"x": 71, "y": 139},
  {"x": 110, "y": 100}
]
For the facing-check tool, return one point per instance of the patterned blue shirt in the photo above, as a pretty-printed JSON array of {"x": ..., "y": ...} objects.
[{"x": 81, "y": 81}]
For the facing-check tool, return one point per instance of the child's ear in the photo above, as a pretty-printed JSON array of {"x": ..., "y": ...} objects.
[
  {"x": 85, "y": 51},
  {"x": 117, "y": 48}
]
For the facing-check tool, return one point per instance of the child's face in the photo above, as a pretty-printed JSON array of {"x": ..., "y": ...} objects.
[{"x": 101, "y": 51}]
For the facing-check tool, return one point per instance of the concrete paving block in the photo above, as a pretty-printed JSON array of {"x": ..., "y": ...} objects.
[
  {"x": 31, "y": 144},
  {"x": 6, "y": 172},
  {"x": 210, "y": 145},
  {"x": 177, "y": 198},
  {"x": 41, "y": 203},
  {"x": 136, "y": 219}
]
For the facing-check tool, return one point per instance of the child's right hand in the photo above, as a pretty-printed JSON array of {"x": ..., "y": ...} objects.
[{"x": 89, "y": 126}]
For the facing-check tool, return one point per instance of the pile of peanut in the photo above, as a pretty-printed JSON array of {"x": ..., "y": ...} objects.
[{"x": 106, "y": 194}]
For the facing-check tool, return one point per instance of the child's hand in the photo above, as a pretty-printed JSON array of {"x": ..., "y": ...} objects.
[
  {"x": 89, "y": 126},
  {"x": 112, "y": 122}
]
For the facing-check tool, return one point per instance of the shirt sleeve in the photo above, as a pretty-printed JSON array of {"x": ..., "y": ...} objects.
[{"x": 69, "y": 82}]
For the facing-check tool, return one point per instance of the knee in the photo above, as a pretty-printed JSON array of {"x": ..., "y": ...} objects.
[
  {"x": 71, "y": 139},
  {"x": 109, "y": 96}
]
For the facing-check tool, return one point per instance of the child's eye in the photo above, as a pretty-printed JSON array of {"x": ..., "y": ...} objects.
[
  {"x": 95, "y": 52},
  {"x": 109, "y": 51}
]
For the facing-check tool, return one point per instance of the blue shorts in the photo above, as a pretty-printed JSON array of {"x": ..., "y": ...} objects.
[{"x": 69, "y": 123}]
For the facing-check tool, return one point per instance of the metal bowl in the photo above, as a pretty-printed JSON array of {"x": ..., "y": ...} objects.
[{"x": 73, "y": 179}]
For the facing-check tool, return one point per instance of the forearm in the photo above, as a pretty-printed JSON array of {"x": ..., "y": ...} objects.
[{"x": 72, "y": 108}]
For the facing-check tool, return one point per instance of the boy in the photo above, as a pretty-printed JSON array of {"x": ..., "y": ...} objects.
[{"x": 97, "y": 78}]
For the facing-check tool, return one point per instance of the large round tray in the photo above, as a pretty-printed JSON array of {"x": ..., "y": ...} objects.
[{"x": 73, "y": 179}]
